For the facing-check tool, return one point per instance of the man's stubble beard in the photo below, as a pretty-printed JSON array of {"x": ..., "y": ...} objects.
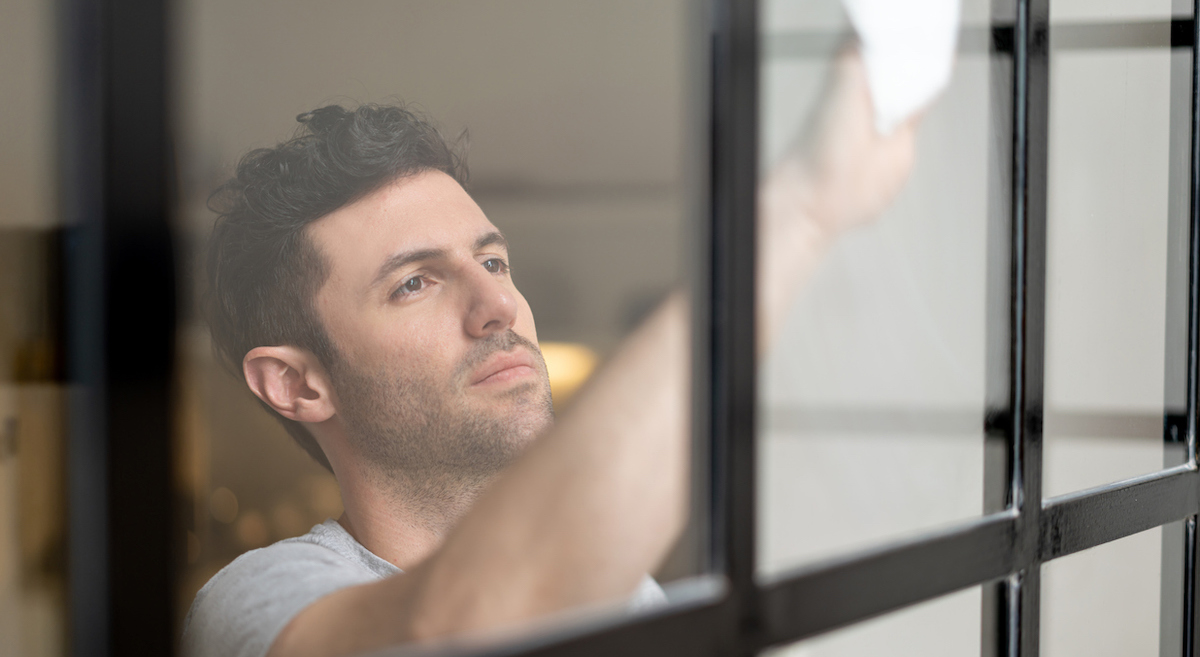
[{"x": 423, "y": 444}]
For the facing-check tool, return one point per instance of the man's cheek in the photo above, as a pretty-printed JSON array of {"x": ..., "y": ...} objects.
[{"x": 422, "y": 358}]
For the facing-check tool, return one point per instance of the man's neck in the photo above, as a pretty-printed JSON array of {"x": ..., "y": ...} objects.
[{"x": 403, "y": 519}]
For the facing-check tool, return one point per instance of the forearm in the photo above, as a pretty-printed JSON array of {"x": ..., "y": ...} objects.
[{"x": 791, "y": 243}]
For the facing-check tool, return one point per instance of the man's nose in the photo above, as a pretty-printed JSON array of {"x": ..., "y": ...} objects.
[{"x": 492, "y": 304}]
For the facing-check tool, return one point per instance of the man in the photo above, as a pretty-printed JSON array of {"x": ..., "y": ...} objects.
[{"x": 367, "y": 301}]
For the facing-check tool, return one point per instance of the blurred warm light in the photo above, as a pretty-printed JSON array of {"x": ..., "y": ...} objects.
[
  {"x": 223, "y": 505},
  {"x": 251, "y": 530},
  {"x": 569, "y": 365}
]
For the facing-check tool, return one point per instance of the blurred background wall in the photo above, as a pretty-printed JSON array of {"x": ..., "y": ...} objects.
[{"x": 32, "y": 397}]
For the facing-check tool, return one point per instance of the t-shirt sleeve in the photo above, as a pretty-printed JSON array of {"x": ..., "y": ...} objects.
[{"x": 248, "y": 603}]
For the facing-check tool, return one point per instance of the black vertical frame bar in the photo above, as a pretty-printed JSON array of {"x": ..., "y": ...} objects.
[
  {"x": 1188, "y": 633},
  {"x": 1191, "y": 588},
  {"x": 1178, "y": 539},
  {"x": 140, "y": 327},
  {"x": 80, "y": 148},
  {"x": 698, "y": 240},
  {"x": 996, "y": 635},
  {"x": 1013, "y": 428},
  {"x": 734, "y": 185},
  {"x": 117, "y": 179},
  {"x": 1032, "y": 122}
]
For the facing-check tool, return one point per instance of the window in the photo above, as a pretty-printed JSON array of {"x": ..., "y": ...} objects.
[{"x": 1034, "y": 72}]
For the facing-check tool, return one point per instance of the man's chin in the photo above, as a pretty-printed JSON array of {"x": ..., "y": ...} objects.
[
  {"x": 527, "y": 397},
  {"x": 526, "y": 422}
]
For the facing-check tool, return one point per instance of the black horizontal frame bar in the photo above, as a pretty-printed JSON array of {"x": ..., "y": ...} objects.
[
  {"x": 1078, "y": 521},
  {"x": 696, "y": 603},
  {"x": 1173, "y": 33},
  {"x": 827, "y": 596},
  {"x": 672, "y": 633}
]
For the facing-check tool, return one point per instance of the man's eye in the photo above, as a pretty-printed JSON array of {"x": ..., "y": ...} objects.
[
  {"x": 495, "y": 265},
  {"x": 414, "y": 284}
]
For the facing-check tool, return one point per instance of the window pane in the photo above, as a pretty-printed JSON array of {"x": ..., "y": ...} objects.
[
  {"x": 871, "y": 398},
  {"x": 576, "y": 122},
  {"x": 948, "y": 626},
  {"x": 1115, "y": 10},
  {"x": 33, "y": 587},
  {"x": 1104, "y": 601},
  {"x": 1117, "y": 264}
]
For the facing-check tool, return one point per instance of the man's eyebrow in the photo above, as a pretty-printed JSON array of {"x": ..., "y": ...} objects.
[
  {"x": 403, "y": 258},
  {"x": 494, "y": 237},
  {"x": 406, "y": 257}
]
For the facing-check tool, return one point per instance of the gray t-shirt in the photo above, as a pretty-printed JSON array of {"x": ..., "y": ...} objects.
[{"x": 241, "y": 610}]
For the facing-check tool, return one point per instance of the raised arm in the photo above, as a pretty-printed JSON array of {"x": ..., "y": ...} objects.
[{"x": 597, "y": 502}]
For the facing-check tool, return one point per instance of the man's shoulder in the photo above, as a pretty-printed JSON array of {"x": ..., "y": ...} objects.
[{"x": 248, "y": 602}]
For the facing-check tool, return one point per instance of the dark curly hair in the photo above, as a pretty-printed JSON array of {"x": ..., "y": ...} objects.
[{"x": 263, "y": 271}]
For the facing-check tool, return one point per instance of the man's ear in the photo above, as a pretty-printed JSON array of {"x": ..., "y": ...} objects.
[{"x": 291, "y": 381}]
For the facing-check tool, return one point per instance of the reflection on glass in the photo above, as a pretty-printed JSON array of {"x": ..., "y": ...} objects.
[
  {"x": 576, "y": 207},
  {"x": 871, "y": 399},
  {"x": 33, "y": 587},
  {"x": 1104, "y": 601},
  {"x": 1109, "y": 267},
  {"x": 945, "y": 627}
]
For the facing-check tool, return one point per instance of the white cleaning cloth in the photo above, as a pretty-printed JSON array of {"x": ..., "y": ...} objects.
[{"x": 908, "y": 49}]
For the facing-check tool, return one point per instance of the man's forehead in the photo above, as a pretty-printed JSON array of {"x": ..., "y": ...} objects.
[{"x": 427, "y": 211}]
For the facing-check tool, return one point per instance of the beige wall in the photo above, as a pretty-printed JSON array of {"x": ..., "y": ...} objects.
[{"x": 27, "y": 114}]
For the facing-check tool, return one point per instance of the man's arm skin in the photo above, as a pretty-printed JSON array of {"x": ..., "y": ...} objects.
[{"x": 597, "y": 502}]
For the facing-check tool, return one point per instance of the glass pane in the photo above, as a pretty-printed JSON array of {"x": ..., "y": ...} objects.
[
  {"x": 576, "y": 123},
  {"x": 948, "y": 626},
  {"x": 872, "y": 395},
  {"x": 1115, "y": 10},
  {"x": 33, "y": 587},
  {"x": 1104, "y": 601},
  {"x": 1115, "y": 253}
]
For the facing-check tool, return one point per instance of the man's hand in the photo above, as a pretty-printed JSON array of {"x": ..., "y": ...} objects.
[
  {"x": 843, "y": 174},
  {"x": 850, "y": 172}
]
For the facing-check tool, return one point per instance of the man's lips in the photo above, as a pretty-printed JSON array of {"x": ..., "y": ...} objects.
[{"x": 504, "y": 366}]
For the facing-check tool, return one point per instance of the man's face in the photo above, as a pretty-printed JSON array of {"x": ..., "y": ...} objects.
[{"x": 437, "y": 372}]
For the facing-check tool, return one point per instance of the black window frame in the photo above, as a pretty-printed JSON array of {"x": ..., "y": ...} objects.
[{"x": 119, "y": 267}]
